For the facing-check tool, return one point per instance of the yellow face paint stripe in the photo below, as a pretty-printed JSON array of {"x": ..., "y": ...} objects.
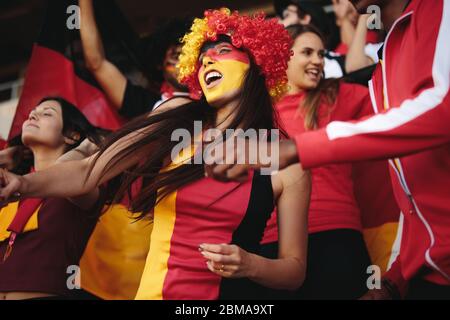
[{"x": 233, "y": 72}]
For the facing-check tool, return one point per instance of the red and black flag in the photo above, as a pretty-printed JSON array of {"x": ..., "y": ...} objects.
[
  {"x": 57, "y": 68},
  {"x": 2, "y": 144}
]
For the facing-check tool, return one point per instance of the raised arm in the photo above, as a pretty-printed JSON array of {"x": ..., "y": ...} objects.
[
  {"x": 356, "y": 55},
  {"x": 342, "y": 11},
  {"x": 107, "y": 74}
]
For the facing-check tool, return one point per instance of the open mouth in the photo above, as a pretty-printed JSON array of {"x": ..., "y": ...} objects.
[
  {"x": 212, "y": 78},
  {"x": 313, "y": 73}
]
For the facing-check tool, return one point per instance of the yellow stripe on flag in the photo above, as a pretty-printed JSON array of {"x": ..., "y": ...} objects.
[
  {"x": 379, "y": 241},
  {"x": 112, "y": 264},
  {"x": 155, "y": 270},
  {"x": 7, "y": 215}
]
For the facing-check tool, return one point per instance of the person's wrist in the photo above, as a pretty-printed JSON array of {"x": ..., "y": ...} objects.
[
  {"x": 391, "y": 288},
  {"x": 24, "y": 185},
  {"x": 342, "y": 18},
  {"x": 253, "y": 266},
  {"x": 345, "y": 20},
  {"x": 365, "y": 16}
]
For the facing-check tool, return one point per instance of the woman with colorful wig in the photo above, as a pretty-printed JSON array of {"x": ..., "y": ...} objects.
[{"x": 206, "y": 234}]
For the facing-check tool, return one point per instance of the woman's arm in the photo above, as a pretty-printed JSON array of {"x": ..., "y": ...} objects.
[
  {"x": 356, "y": 55},
  {"x": 347, "y": 29},
  {"x": 288, "y": 271},
  {"x": 70, "y": 179},
  {"x": 107, "y": 74},
  {"x": 83, "y": 151}
]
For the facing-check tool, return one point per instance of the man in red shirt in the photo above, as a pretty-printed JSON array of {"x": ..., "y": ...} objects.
[{"x": 411, "y": 98}]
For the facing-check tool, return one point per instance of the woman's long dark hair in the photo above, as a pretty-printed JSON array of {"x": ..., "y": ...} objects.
[
  {"x": 326, "y": 91},
  {"x": 73, "y": 122},
  {"x": 255, "y": 110}
]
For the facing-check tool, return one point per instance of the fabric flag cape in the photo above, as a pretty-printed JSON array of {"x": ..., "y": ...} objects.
[
  {"x": 379, "y": 211},
  {"x": 57, "y": 68}
]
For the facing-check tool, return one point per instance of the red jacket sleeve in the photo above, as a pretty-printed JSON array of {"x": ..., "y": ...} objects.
[{"x": 415, "y": 125}]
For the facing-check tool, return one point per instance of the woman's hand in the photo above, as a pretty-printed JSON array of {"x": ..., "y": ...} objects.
[
  {"x": 228, "y": 261},
  {"x": 10, "y": 186},
  {"x": 342, "y": 10}
]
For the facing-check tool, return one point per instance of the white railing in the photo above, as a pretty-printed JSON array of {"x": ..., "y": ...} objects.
[
  {"x": 8, "y": 104},
  {"x": 13, "y": 87}
]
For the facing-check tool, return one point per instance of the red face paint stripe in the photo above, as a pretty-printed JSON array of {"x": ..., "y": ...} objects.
[{"x": 234, "y": 54}]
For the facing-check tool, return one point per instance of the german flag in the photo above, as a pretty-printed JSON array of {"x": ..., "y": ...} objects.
[
  {"x": 380, "y": 213},
  {"x": 57, "y": 68}
]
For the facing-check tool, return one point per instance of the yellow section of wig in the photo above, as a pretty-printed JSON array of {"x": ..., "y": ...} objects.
[
  {"x": 193, "y": 42},
  {"x": 279, "y": 90}
]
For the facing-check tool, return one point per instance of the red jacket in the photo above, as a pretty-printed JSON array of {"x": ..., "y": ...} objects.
[{"x": 410, "y": 92}]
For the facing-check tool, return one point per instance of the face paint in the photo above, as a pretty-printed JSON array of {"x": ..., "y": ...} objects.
[
  {"x": 222, "y": 71},
  {"x": 170, "y": 71}
]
